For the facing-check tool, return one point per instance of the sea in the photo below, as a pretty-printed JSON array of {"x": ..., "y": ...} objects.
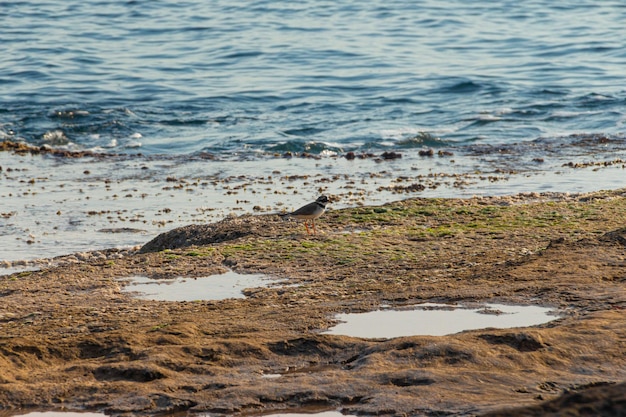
[{"x": 181, "y": 112}]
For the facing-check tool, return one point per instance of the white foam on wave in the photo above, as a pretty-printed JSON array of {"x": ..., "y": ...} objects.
[
  {"x": 328, "y": 152},
  {"x": 565, "y": 114},
  {"x": 488, "y": 117},
  {"x": 504, "y": 110},
  {"x": 55, "y": 137},
  {"x": 132, "y": 145},
  {"x": 414, "y": 132}
]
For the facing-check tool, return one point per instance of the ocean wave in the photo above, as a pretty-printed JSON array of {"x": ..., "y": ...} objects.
[
  {"x": 231, "y": 78},
  {"x": 300, "y": 146},
  {"x": 411, "y": 138}
]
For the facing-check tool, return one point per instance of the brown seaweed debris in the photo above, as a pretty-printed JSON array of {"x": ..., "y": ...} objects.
[
  {"x": 390, "y": 155},
  {"x": 352, "y": 155},
  {"x": 399, "y": 189},
  {"x": 21, "y": 148},
  {"x": 617, "y": 161}
]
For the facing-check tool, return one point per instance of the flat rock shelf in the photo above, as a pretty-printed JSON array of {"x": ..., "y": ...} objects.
[{"x": 72, "y": 338}]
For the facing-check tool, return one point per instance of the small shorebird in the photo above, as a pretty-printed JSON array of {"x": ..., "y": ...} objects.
[{"x": 311, "y": 212}]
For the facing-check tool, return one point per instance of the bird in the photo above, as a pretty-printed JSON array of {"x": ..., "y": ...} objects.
[{"x": 311, "y": 212}]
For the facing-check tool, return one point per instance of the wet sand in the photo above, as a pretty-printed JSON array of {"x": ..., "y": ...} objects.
[{"x": 71, "y": 338}]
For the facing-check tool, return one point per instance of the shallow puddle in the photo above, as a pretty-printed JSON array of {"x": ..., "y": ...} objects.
[
  {"x": 311, "y": 411},
  {"x": 322, "y": 414},
  {"x": 87, "y": 414},
  {"x": 56, "y": 414},
  {"x": 438, "y": 320},
  {"x": 213, "y": 287},
  {"x": 17, "y": 269}
]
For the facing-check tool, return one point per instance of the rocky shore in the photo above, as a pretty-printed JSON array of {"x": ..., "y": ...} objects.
[{"x": 72, "y": 339}]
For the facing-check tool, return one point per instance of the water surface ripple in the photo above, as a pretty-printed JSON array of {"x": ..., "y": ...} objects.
[{"x": 178, "y": 78}]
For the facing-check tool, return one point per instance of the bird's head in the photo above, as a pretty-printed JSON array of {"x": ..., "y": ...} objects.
[{"x": 323, "y": 199}]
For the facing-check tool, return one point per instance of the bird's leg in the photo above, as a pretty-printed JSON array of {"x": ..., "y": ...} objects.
[
  {"x": 314, "y": 231},
  {"x": 308, "y": 232}
]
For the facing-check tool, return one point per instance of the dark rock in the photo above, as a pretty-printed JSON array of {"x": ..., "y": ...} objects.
[
  {"x": 599, "y": 399},
  {"x": 391, "y": 155},
  {"x": 523, "y": 342},
  {"x": 206, "y": 234},
  {"x": 127, "y": 373}
]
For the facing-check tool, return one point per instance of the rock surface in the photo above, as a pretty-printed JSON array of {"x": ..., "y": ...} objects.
[{"x": 72, "y": 339}]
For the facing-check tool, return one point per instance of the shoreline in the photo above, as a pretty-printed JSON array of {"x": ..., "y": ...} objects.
[
  {"x": 54, "y": 205},
  {"x": 72, "y": 337},
  {"x": 19, "y": 265}
]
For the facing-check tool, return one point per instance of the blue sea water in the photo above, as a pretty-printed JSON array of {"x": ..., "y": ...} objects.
[{"x": 180, "y": 77}]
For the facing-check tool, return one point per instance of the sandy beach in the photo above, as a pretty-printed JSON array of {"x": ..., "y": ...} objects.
[{"x": 74, "y": 339}]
